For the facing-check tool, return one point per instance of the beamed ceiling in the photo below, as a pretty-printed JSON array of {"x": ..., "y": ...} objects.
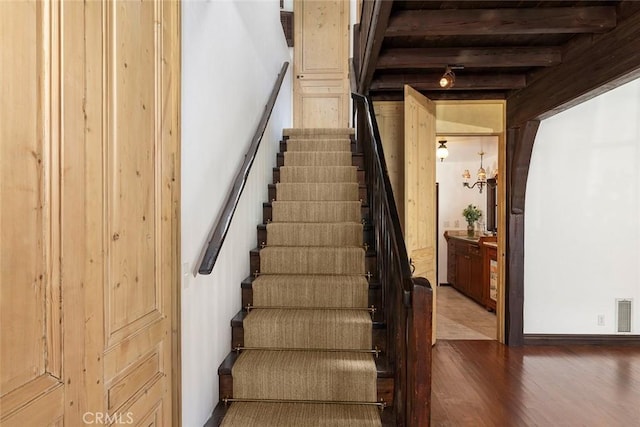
[{"x": 503, "y": 46}]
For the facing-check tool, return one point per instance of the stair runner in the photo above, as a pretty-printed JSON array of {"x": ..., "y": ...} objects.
[{"x": 307, "y": 343}]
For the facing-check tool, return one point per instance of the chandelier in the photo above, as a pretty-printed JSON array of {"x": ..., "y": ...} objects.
[{"x": 481, "y": 180}]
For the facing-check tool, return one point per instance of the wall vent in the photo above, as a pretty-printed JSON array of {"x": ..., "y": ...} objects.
[{"x": 623, "y": 315}]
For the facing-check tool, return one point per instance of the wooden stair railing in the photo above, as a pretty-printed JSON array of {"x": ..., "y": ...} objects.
[
  {"x": 211, "y": 251},
  {"x": 407, "y": 301}
]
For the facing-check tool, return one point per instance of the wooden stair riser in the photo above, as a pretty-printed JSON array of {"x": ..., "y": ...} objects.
[
  {"x": 375, "y": 297},
  {"x": 384, "y": 383},
  {"x": 379, "y": 333},
  {"x": 360, "y": 173},
  {"x": 273, "y": 194},
  {"x": 267, "y": 213},
  {"x": 370, "y": 261},
  {"x": 357, "y": 160},
  {"x": 368, "y": 236}
]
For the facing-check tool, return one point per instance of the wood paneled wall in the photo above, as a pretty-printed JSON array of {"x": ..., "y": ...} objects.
[{"x": 89, "y": 189}]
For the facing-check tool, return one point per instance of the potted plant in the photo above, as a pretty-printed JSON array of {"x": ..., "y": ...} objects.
[{"x": 472, "y": 214}]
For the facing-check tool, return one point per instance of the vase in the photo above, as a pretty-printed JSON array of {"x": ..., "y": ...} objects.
[{"x": 470, "y": 230}]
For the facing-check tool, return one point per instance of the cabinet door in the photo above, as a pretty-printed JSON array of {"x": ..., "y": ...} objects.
[
  {"x": 462, "y": 271},
  {"x": 451, "y": 262},
  {"x": 476, "y": 278}
]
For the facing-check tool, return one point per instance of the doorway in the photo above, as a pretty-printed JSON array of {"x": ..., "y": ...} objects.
[
  {"x": 453, "y": 119},
  {"x": 466, "y": 300}
]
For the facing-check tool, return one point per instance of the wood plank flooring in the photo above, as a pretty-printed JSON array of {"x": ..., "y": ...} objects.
[
  {"x": 460, "y": 318},
  {"x": 484, "y": 383}
]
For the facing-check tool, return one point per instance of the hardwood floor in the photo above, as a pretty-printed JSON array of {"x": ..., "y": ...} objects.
[
  {"x": 484, "y": 383},
  {"x": 460, "y": 318}
]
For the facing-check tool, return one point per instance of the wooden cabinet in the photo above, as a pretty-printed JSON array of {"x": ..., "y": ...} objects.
[
  {"x": 451, "y": 261},
  {"x": 467, "y": 267},
  {"x": 490, "y": 264}
]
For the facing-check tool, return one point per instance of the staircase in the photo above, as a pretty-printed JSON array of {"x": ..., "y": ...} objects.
[{"x": 308, "y": 348}]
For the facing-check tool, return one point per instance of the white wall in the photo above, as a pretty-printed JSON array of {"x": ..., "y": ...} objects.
[
  {"x": 582, "y": 233},
  {"x": 453, "y": 197},
  {"x": 232, "y": 52}
]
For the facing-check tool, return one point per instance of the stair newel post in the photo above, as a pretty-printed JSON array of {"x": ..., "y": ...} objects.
[{"x": 419, "y": 353}]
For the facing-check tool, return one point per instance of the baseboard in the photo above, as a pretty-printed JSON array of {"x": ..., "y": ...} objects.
[
  {"x": 566, "y": 339},
  {"x": 445, "y": 284}
]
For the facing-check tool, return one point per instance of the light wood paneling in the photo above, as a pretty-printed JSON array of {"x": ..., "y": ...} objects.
[
  {"x": 390, "y": 117},
  {"x": 469, "y": 117},
  {"x": 321, "y": 103},
  {"x": 133, "y": 173},
  {"x": 321, "y": 86},
  {"x": 138, "y": 203},
  {"x": 24, "y": 231},
  {"x": 420, "y": 186},
  {"x": 30, "y": 334},
  {"x": 88, "y": 193}
]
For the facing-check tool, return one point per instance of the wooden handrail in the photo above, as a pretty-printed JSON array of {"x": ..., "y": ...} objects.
[
  {"x": 211, "y": 251},
  {"x": 406, "y": 300},
  {"x": 389, "y": 200}
]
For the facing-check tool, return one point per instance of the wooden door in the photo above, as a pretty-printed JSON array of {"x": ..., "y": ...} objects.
[
  {"x": 31, "y": 369},
  {"x": 321, "y": 52},
  {"x": 390, "y": 118},
  {"x": 420, "y": 186},
  {"x": 88, "y": 214}
]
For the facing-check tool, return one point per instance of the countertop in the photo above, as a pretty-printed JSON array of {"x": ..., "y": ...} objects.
[{"x": 462, "y": 235}]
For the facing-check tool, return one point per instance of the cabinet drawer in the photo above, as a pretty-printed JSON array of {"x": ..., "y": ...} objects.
[{"x": 473, "y": 250}]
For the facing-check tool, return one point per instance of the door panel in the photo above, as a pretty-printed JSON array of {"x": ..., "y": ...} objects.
[
  {"x": 390, "y": 118},
  {"x": 133, "y": 173},
  {"x": 87, "y": 196},
  {"x": 420, "y": 186},
  {"x": 321, "y": 92},
  {"x": 137, "y": 206},
  {"x": 30, "y": 385}
]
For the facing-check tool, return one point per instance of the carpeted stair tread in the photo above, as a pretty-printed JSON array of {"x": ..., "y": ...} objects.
[
  {"x": 312, "y": 260},
  {"x": 342, "y": 191},
  {"x": 313, "y": 329},
  {"x": 317, "y": 158},
  {"x": 298, "y": 345},
  {"x": 265, "y": 414},
  {"x": 318, "y": 174},
  {"x": 319, "y": 144},
  {"x": 318, "y": 132},
  {"x": 310, "y": 291},
  {"x": 305, "y": 375},
  {"x": 316, "y": 211},
  {"x": 315, "y": 234}
]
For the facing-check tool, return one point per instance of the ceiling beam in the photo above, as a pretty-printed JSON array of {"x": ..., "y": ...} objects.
[
  {"x": 441, "y": 95},
  {"x": 464, "y": 81},
  {"x": 591, "y": 66},
  {"x": 502, "y": 21},
  {"x": 470, "y": 57}
]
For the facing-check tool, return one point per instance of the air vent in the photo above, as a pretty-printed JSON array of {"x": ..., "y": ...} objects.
[{"x": 623, "y": 315}]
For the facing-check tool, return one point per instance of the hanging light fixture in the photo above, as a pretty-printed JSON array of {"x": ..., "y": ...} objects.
[
  {"x": 481, "y": 178},
  {"x": 448, "y": 79},
  {"x": 442, "y": 152}
]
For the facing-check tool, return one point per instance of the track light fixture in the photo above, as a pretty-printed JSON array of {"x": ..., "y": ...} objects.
[{"x": 448, "y": 79}]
